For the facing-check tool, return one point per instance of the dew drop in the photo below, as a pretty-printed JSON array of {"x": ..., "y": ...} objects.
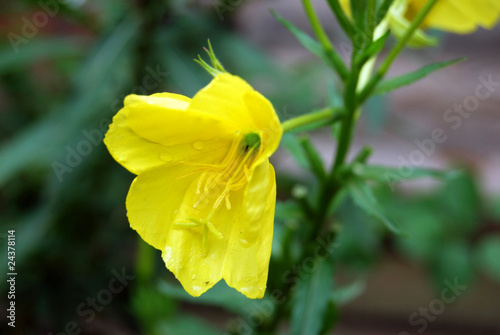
[
  {"x": 244, "y": 243},
  {"x": 194, "y": 277},
  {"x": 199, "y": 145},
  {"x": 166, "y": 156}
]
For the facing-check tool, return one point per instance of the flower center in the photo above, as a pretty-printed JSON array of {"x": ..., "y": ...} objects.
[
  {"x": 231, "y": 174},
  {"x": 218, "y": 180}
]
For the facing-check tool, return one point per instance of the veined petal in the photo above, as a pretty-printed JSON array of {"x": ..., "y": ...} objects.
[
  {"x": 222, "y": 98},
  {"x": 167, "y": 121},
  {"x": 138, "y": 154},
  {"x": 249, "y": 251},
  {"x": 154, "y": 199},
  {"x": 135, "y": 153}
]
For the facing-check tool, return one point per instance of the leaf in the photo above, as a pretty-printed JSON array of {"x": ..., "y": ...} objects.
[
  {"x": 313, "y": 157},
  {"x": 409, "y": 78},
  {"x": 311, "y": 300},
  {"x": 382, "y": 10},
  {"x": 293, "y": 146},
  {"x": 220, "y": 295},
  {"x": 453, "y": 262},
  {"x": 44, "y": 142},
  {"x": 36, "y": 51},
  {"x": 347, "y": 293},
  {"x": 486, "y": 256},
  {"x": 187, "y": 325},
  {"x": 332, "y": 59},
  {"x": 390, "y": 174},
  {"x": 365, "y": 199},
  {"x": 373, "y": 48}
]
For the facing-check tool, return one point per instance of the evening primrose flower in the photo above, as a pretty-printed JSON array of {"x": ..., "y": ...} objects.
[
  {"x": 460, "y": 17},
  {"x": 205, "y": 192}
]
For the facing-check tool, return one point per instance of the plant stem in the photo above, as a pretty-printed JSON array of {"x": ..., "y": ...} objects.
[
  {"x": 323, "y": 39},
  {"x": 303, "y": 120},
  {"x": 386, "y": 64}
]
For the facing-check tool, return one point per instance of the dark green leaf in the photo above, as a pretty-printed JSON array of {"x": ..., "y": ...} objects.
[
  {"x": 220, "y": 295},
  {"x": 314, "y": 158},
  {"x": 486, "y": 256},
  {"x": 331, "y": 58},
  {"x": 311, "y": 300},
  {"x": 373, "y": 48},
  {"x": 186, "y": 325},
  {"x": 382, "y": 10},
  {"x": 293, "y": 146},
  {"x": 452, "y": 263},
  {"x": 409, "y": 78},
  {"x": 347, "y": 293},
  {"x": 36, "y": 51},
  {"x": 393, "y": 175},
  {"x": 365, "y": 199},
  {"x": 342, "y": 18}
]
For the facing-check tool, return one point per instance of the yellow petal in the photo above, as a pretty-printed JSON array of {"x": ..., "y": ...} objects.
[
  {"x": 153, "y": 199},
  {"x": 247, "y": 260},
  {"x": 138, "y": 154},
  {"x": 222, "y": 99},
  {"x": 254, "y": 202},
  {"x": 458, "y": 16},
  {"x": 130, "y": 150},
  {"x": 265, "y": 119},
  {"x": 166, "y": 121},
  {"x": 159, "y": 198}
]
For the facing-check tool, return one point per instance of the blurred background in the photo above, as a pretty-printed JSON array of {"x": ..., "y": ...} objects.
[{"x": 65, "y": 67}]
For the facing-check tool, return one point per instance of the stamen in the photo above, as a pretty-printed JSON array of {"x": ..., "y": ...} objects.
[
  {"x": 183, "y": 225},
  {"x": 200, "y": 181},
  {"x": 228, "y": 203}
]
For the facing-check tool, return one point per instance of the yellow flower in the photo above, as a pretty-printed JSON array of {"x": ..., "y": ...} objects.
[
  {"x": 456, "y": 16},
  {"x": 205, "y": 192}
]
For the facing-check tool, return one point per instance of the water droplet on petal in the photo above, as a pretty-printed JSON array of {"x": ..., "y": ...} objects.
[
  {"x": 194, "y": 277},
  {"x": 199, "y": 145},
  {"x": 166, "y": 156},
  {"x": 244, "y": 243}
]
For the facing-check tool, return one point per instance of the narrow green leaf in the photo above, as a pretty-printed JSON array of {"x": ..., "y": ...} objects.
[
  {"x": 382, "y": 10},
  {"x": 388, "y": 173},
  {"x": 293, "y": 146},
  {"x": 486, "y": 256},
  {"x": 311, "y": 300},
  {"x": 373, "y": 48},
  {"x": 313, "y": 157},
  {"x": 332, "y": 59},
  {"x": 409, "y": 78},
  {"x": 342, "y": 18},
  {"x": 363, "y": 196},
  {"x": 36, "y": 51},
  {"x": 347, "y": 293}
]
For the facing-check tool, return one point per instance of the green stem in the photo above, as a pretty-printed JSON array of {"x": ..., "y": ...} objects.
[
  {"x": 303, "y": 120},
  {"x": 386, "y": 64},
  {"x": 323, "y": 39}
]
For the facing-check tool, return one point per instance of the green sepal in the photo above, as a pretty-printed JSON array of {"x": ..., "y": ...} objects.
[{"x": 216, "y": 68}]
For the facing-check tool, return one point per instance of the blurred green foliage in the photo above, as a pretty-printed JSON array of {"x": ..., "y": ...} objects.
[{"x": 68, "y": 81}]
